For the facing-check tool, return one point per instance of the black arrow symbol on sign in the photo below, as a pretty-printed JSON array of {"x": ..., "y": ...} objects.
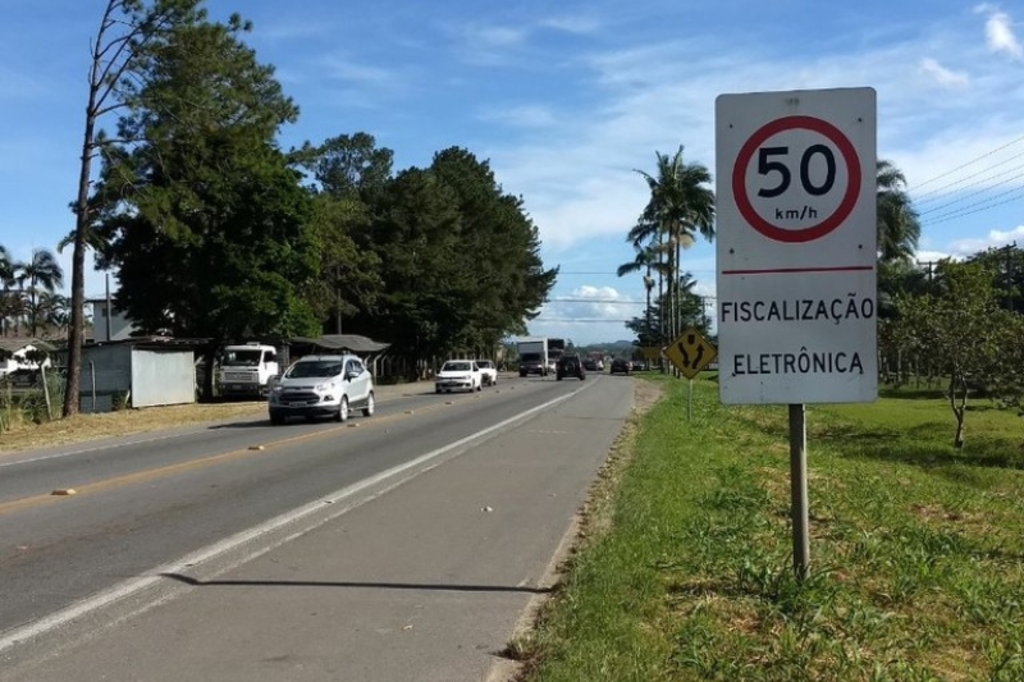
[
  {"x": 684, "y": 353},
  {"x": 700, "y": 355}
]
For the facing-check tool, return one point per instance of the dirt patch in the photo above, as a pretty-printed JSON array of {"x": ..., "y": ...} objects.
[
  {"x": 85, "y": 427},
  {"x": 645, "y": 395}
]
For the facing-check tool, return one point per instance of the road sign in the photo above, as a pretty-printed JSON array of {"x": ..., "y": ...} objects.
[
  {"x": 650, "y": 353},
  {"x": 796, "y": 246},
  {"x": 691, "y": 352}
]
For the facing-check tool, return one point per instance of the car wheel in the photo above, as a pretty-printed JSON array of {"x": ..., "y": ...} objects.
[
  {"x": 276, "y": 420},
  {"x": 437, "y": 390},
  {"x": 371, "y": 405},
  {"x": 342, "y": 414},
  {"x": 480, "y": 386}
]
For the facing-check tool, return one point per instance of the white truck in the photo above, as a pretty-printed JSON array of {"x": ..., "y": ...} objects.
[
  {"x": 247, "y": 370},
  {"x": 533, "y": 357}
]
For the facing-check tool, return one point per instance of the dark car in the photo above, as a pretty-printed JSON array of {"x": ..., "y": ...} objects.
[
  {"x": 590, "y": 364},
  {"x": 621, "y": 366},
  {"x": 570, "y": 366}
]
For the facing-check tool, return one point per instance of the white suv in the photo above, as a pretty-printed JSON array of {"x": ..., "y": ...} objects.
[{"x": 322, "y": 385}]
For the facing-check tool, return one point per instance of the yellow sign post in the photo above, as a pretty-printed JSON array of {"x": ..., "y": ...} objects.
[{"x": 691, "y": 352}]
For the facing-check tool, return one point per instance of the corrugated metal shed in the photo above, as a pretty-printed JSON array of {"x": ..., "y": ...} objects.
[{"x": 145, "y": 371}]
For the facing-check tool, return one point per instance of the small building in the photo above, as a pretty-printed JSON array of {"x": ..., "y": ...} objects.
[
  {"x": 138, "y": 372},
  {"x": 23, "y": 353},
  {"x": 107, "y": 323},
  {"x": 366, "y": 348}
]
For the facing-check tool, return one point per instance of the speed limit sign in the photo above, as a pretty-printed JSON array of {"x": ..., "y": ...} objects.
[{"x": 796, "y": 246}]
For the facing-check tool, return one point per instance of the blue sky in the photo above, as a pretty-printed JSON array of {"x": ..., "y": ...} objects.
[{"x": 565, "y": 100}]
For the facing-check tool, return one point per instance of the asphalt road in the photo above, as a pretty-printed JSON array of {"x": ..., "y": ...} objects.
[{"x": 242, "y": 551}]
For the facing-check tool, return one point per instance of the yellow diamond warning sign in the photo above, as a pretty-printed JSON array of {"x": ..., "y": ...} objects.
[{"x": 691, "y": 352}]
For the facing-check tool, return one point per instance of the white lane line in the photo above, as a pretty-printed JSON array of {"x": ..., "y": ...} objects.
[{"x": 127, "y": 588}]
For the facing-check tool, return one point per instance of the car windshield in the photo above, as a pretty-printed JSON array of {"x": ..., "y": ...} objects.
[
  {"x": 456, "y": 367},
  {"x": 308, "y": 370},
  {"x": 242, "y": 358}
]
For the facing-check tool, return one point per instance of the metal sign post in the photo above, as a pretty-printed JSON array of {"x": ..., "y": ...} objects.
[
  {"x": 689, "y": 401},
  {"x": 690, "y": 353},
  {"x": 798, "y": 491},
  {"x": 796, "y": 256}
]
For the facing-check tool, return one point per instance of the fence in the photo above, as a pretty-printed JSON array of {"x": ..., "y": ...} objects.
[{"x": 30, "y": 396}]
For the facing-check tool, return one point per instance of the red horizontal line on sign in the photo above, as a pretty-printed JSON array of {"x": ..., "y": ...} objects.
[{"x": 777, "y": 271}]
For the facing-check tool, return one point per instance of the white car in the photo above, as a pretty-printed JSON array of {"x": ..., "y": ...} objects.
[
  {"x": 488, "y": 372},
  {"x": 322, "y": 386},
  {"x": 458, "y": 375}
]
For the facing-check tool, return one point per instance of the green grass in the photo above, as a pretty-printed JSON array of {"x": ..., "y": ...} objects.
[{"x": 917, "y": 551}]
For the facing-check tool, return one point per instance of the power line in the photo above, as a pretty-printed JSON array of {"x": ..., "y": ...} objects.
[
  {"x": 596, "y": 300},
  {"x": 922, "y": 198},
  {"x": 983, "y": 190},
  {"x": 601, "y": 272},
  {"x": 969, "y": 163},
  {"x": 955, "y": 215},
  {"x": 580, "y": 319}
]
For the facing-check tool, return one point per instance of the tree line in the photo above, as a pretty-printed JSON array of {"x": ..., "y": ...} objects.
[
  {"x": 215, "y": 231},
  {"x": 956, "y": 324},
  {"x": 29, "y": 302}
]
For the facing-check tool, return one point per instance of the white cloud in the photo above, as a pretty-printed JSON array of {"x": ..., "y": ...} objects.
[
  {"x": 995, "y": 238},
  {"x": 525, "y": 116},
  {"x": 571, "y": 24},
  {"x": 593, "y": 303},
  {"x": 943, "y": 76},
  {"x": 299, "y": 29},
  {"x": 646, "y": 102},
  {"x": 588, "y": 314},
  {"x": 999, "y": 35},
  {"x": 344, "y": 69},
  {"x": 925, "y": 257}
]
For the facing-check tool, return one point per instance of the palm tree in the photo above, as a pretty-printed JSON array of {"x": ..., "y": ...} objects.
[
  {"x": 52, "y": 311},
  {"x": 681, "y": 207},
  {"x": 898, "y": 226},
  {"x": 647, "y": 258},
  {"x": 7, "y": 272},
  {"x": 44, "y": 274}
]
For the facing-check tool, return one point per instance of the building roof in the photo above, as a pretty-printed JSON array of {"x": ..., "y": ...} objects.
[
  {"x": 12, "y": 344},
  {"x": 352, "y": 343},
  {"x": 152, "y": 342}
]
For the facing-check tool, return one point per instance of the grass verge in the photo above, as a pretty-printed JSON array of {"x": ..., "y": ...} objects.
[
  {"x": 916, "y": 551},
  {"x": 23, "y": 434}
]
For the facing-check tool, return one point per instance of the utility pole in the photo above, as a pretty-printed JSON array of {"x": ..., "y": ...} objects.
[
  {"x": 928, "y": 263},
  {"x": 1008, "y": 250}
]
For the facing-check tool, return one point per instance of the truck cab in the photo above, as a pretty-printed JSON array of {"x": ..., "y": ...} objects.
[{"x": 247, "y": 370}]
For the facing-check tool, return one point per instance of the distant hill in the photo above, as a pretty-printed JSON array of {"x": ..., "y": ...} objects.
[{"x": 621, "y": 347}]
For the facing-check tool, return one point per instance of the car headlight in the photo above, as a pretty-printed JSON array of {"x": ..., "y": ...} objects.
[
  {"x": 326, "y": 386},
  {"x": 277, "y": 389}
]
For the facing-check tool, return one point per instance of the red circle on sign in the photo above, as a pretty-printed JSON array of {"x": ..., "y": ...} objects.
[{"x": 832, "y": 221}]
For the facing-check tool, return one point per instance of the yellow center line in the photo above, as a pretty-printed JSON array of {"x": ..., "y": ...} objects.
[{"x": 148, "y": 475}]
